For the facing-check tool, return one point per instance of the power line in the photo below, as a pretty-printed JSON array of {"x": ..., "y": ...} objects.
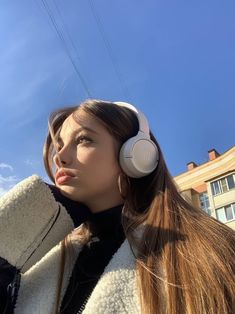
[
  {"x": 110, "y": 51},
  {"x": 63, "y": 41},
  {"x": 65, "y": 27}
]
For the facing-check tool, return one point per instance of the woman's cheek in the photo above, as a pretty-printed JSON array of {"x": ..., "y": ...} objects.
[{"x": 85, "y": 157}]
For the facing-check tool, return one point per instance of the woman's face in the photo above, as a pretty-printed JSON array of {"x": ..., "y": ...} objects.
[{"x": 89, "y": 168}]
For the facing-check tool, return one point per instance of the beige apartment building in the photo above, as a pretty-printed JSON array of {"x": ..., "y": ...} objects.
[{"x": 211, "y": 185}]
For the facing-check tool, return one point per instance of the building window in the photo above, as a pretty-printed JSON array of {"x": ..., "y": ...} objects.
[
  {"x": 231, "y": 182},
  {"x": 223, "y": 185},
  {"x": 226, "y": 213},
  {"x": 204, "y": 202}
]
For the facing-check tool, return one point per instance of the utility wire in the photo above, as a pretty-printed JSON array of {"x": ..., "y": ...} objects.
[
  {"x": 65, "y": 28},
  {"x": 65, "y": 31},
  {"x": 110, "y": 51},
  {"x": 63, "y": 41}
]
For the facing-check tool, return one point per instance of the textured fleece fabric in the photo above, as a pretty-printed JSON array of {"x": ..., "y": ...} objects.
[{"x": 32, "y": 224}]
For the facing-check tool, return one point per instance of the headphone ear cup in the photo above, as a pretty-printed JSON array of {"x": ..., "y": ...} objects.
[{"x": 138, "y": 157}]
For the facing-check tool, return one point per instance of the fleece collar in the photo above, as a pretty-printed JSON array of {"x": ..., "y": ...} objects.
[{"x": 115, "y": 292}]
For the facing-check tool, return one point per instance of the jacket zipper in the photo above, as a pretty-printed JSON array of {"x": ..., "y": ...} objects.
[{"x": 83, "y": 305}]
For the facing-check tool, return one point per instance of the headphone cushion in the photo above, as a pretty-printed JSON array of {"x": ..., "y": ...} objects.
[{"x": 138, "y": 157}]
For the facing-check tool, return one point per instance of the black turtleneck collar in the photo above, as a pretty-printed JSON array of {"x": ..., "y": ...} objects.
[{"x": 107, "y": 223}]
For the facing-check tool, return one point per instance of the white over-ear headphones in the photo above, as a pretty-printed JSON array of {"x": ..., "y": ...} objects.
[{"x": 139, "y": 155}]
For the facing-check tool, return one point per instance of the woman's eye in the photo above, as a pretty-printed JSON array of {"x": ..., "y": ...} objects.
[{"x": 83, "y": 139}]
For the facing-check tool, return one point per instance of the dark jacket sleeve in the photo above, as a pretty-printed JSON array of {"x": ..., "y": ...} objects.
[{"x": 9, "y": 283}]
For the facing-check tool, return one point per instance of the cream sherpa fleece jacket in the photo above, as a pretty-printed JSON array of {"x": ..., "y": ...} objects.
[{"x": 32, "y": 224}]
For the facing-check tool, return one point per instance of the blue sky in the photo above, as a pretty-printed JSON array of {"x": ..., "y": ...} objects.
[{"x": 175, "y": 60}]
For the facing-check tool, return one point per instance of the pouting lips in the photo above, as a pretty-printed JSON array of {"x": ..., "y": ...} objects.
[
  {"x": 65, "y": 174},
  {"x": 63, "y": 179}
]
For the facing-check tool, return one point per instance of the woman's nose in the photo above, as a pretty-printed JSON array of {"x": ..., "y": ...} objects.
[
  {"x": 62, "y": 158},
  {"x": 58, "y": 161}
]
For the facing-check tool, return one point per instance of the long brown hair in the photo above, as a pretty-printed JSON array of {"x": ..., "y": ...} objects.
[{"x": 185, "y": 258}]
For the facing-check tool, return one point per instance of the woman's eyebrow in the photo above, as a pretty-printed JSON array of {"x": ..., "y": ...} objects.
[
  {"x": 59, "y": 138},
  {"x": 85, "y": 128}
]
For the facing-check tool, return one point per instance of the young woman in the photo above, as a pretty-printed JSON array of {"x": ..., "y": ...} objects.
[{"x": 112, "y": 234}]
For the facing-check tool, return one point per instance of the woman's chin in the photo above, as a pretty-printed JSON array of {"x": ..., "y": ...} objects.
[{"x": 70, "y": 192}]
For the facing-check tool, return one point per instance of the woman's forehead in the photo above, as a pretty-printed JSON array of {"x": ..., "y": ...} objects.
[{"x": 81, "y": 121}]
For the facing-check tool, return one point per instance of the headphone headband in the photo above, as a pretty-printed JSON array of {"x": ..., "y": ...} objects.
[{"x": 143, "y": 122}]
